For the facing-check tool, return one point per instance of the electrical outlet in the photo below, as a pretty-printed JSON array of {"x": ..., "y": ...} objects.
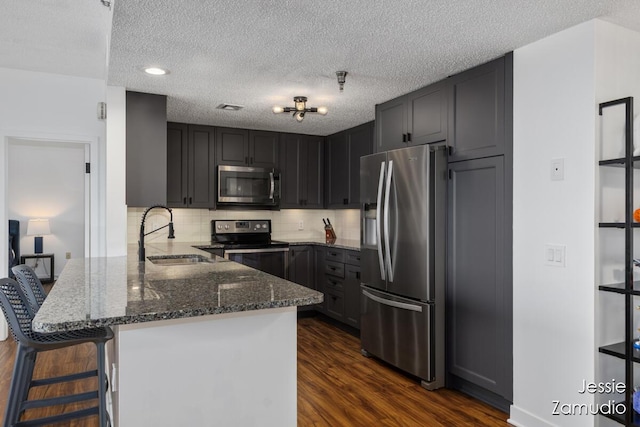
[
  {"x": 68, "y": 255},
  {"x": 300, "y": 225},
  {"x": 557, "y": 169}
]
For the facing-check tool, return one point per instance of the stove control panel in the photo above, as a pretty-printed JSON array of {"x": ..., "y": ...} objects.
[{"x": 226, "y": 226}]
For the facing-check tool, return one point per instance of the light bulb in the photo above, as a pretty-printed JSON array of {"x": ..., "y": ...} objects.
[
  {"x": 299, "y": 115},
  {"x": 323, "y": 111},
  {"x": 278, "y": 109}
]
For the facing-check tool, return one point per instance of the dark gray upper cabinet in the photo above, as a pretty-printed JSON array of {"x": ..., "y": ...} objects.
[
  {"x": 478, "y": 300},
  {"x": 232, "y": 146},
  {"x": 427, "y": 114},
  {"x": 263, "y": 148},
  {"x": 190, "y": 166},
  {"x": 241, "y": 147},
  {"x": 146, "y": 149},
  {"x": 177, "y": 164},
  {"x": 391, "y": 125},
  {"x": 419, "y": 117},
  {"x": 301, "y": 161},
  {"x": 477, "y": 112},
  {"x": 342, "y": 165}
]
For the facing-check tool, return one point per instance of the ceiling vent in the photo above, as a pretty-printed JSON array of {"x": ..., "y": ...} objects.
[{"x": 230, "y": 107}]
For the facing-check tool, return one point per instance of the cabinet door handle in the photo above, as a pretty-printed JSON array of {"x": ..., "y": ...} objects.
[
  {"x": 409, "y": 136},
  {"x": 190, "y": 200},
  {"x": 345, "y": 201},
  {"x": 404, "y": 137},
  {"x": 450, "y": 148},
  {"x": 184, "y": 201},
  {"x": 358, "y": 275}
]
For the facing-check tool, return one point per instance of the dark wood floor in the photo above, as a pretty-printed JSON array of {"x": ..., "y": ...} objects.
[{"x": 337, "y": 386}]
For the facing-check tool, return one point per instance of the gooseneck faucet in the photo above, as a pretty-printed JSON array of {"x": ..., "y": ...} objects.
[{"x": 141, "y": 254}]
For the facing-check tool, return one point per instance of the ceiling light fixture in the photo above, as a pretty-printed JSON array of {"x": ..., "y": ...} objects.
[
  {"x": 341, "y": 75},
  {"x": 154, "y": 71},
  {"x": 300, "y": 108}
]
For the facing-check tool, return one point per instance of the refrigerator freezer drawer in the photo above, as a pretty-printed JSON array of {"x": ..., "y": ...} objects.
[{"x": 398, "y": 331}]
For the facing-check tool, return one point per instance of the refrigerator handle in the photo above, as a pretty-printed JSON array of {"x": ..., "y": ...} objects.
[
  {"x": 383, "y": 274},
  {"x": 387, "y": 246},
  {"x": 391, "y": 303}
]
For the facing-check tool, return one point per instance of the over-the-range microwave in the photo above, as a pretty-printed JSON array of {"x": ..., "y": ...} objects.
[{"x": 245, "y": 186}]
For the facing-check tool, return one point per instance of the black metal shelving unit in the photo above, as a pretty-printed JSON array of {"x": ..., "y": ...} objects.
[{"x": 625, "y": 350}]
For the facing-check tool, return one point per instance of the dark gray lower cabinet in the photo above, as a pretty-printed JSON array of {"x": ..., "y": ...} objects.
[
  {"x": 320, "y": 254},
  {"x": 479, "y": 290},
  {"x": 352, "y": 295},
  {"x": 342, "y": 285},
  {"x": 301, "y": 268}
]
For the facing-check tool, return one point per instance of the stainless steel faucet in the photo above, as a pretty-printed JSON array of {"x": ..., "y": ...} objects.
[{"x": 141, "y": 252}]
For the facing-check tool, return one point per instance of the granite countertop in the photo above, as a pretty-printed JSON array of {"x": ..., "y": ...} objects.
[
  {"x": 94, "y": 292},
  {"x": 349, "y": 244},
  {"x": 352, "y": 245}
]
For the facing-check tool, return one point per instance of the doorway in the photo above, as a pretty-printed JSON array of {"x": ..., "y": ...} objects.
[{"x": 47, "y": 179}]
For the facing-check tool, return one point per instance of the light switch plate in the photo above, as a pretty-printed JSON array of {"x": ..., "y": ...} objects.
[{"x": 555, "y": 255}]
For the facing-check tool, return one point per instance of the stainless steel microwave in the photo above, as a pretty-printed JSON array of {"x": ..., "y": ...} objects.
[{"x": 248, "y": 186}]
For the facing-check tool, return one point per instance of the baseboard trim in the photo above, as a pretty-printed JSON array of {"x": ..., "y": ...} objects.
[{"x": 520, "y": 418}]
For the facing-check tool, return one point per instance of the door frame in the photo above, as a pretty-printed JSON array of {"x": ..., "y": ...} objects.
[{"x": 95, "y": 232}]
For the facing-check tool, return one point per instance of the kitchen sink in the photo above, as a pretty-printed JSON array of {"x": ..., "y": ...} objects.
[{"x": 186, "y": 259}]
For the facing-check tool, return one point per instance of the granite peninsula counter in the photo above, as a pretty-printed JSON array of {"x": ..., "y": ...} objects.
[
  {"x": 211, "y": 343},
  {"x": 107, "y": 291}
]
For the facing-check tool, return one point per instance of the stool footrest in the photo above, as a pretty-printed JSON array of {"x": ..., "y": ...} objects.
[
  {"x": 60, "y": 417},
  {"x": 64, "y": 378},
  {"x": 59, "y": 400}
]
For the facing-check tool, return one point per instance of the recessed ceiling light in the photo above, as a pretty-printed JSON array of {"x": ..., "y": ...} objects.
[{"x": 155, "y": 71}]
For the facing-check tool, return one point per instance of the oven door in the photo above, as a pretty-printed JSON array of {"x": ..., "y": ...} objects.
[
  {"x": 241, "y": 185},
  {"x": 274, "y": 261}
]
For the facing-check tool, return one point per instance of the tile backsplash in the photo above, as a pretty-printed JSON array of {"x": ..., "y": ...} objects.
[{"x": 194, "y": 225}]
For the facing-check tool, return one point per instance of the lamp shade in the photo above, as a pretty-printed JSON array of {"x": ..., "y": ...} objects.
[{"x": 38, "y": 227}]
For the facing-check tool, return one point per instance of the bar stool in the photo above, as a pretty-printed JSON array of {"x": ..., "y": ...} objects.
[
  {"x": 30, "y": 285},
  {"x": 19, "y": 315}
]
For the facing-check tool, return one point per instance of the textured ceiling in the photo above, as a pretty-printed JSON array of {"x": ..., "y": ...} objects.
[
  {"x": 262, "y": 53},
  {"x": 56, "y": 36}
]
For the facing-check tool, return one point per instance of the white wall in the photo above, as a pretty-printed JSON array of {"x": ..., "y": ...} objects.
[
  {"x": 116, "y": 220},
  {"x": 617, "y": 71},
  {"x": 47, "y": 180},
  {"x": 41, "y": 106},
  {"x": 553, "y": 308}
]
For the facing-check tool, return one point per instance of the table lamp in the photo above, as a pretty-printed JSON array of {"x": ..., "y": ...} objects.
[{"x": 38, "y": 228}]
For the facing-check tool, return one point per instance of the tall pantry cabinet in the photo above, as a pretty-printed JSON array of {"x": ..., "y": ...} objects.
[{"x": 479, "y": 233}]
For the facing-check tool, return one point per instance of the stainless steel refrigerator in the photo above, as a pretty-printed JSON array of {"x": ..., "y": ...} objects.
[{"x": 403, "y": 196}]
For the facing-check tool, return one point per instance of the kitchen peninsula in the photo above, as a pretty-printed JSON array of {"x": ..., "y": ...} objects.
[{"x": 196, "y": 343}]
